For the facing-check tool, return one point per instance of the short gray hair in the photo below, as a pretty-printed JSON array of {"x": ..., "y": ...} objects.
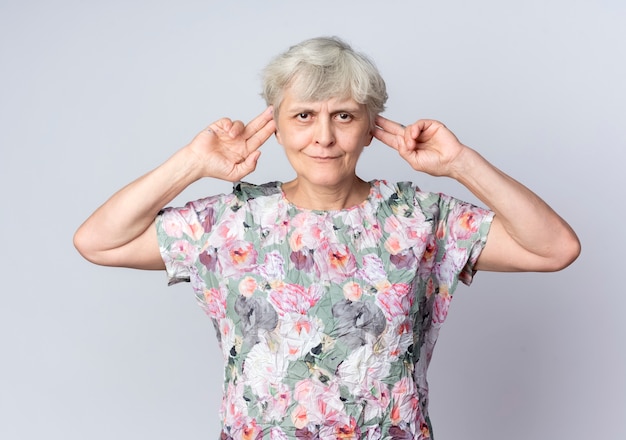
[{"x": 322, "y": 68}]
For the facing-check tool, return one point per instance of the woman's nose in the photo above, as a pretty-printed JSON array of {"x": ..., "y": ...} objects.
[{"x": 324, "y": 134}]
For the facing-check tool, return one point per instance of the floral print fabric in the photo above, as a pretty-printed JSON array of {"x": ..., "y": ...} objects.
[{"x": 327, "y": 320}]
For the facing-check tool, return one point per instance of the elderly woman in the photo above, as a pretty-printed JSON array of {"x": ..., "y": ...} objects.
[{"x": 327, "y": 292}]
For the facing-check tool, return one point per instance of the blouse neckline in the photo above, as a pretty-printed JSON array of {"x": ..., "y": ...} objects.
[{"x": 371, "y": 196}]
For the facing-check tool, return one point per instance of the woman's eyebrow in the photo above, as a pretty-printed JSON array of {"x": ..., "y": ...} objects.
[
  {"x": 300, "y": 109},
  {"x": 340, "y": 107},
  {"x": 344, "y": 109}
]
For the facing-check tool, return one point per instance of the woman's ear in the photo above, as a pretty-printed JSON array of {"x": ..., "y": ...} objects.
[
  {"x": 367, "y": 140},
  {"x": 277, "y": 134}
]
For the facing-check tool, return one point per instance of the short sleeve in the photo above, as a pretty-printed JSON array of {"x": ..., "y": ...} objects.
[
  {"x": 461, "y": 236},
  {"x": 181, "y": 233}
]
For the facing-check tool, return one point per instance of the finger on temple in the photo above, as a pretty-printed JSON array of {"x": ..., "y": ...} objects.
[
  {"x": 386, "y": 137},
  {"x": 259, "y": 137},
  {"x": 258, "y": 123},
  {"x": 389, "y": 126},
  {"x": 381, "y": 122}
]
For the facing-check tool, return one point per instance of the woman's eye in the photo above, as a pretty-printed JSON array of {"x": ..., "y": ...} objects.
[
  {"x": 344, "y": 116},
  {"x": 303, "y": 116}
]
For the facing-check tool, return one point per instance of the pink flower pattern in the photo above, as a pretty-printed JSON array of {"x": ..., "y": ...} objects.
[{"x": 327, "y": 320}]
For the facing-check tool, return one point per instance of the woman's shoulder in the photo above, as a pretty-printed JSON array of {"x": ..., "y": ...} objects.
[
  {"x": 402, "y": 188},
  {"x": 407, "y": 197}
]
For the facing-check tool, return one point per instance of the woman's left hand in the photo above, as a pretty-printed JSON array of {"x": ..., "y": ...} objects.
[{"x": 427, "y": 145}]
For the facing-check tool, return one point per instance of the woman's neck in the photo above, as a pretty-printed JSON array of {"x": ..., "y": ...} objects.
[{"x": 305, "y": 194}]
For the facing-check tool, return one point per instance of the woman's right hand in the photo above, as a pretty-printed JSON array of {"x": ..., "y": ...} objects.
[{"x": 229, "y": 150}]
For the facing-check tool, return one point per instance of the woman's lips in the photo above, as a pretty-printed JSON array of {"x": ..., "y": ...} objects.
[{"x": 323, "y": 157}]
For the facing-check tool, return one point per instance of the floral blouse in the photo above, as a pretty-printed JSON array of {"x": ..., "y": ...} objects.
[{"x": 326, "y": 320}]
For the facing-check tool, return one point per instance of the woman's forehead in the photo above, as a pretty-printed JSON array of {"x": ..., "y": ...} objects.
[{"x": 291, "y": 101}]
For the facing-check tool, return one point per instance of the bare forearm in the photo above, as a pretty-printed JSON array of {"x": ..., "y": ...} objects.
[
  {"x": 130, "y": 211},
  {"x": 545, "y": 240}
]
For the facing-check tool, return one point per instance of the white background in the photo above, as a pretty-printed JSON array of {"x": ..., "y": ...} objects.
[{"x": 94, "y": 94}]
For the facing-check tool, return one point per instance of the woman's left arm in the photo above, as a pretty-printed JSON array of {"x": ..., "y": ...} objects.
[{"x": 526, "y": 233}]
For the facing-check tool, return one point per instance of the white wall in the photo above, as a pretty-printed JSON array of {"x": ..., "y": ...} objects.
[{"x": 93, "y": 94}]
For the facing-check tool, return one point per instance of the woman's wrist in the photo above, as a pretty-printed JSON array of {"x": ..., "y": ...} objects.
[
  {"x": 187, "y": 165},
  {"x": 467, "y": 164}
]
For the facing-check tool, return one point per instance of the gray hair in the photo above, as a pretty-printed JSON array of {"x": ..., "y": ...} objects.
[{"x": 322, "y": 68}]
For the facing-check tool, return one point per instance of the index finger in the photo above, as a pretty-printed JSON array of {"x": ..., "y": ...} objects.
[
  {"x": 258, "y": 123},
  {"x": 389, "y": 126},
  {"x": 260, "y": 129},
  {"x": 389, "y": 132}
]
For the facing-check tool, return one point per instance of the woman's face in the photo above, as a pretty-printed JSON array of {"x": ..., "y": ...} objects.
[{"x": 323, "y": 140}]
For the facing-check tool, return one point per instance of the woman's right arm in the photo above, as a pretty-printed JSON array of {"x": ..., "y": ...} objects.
[{"x": 122, "y": 233}]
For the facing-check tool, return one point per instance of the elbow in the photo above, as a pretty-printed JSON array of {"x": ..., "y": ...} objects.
[
  {"x": 84, "y": 245},
  {"x": 566, "y": 254},
  {"x": 80, "y": 244},
  {"x": 573, "y": 251}
]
